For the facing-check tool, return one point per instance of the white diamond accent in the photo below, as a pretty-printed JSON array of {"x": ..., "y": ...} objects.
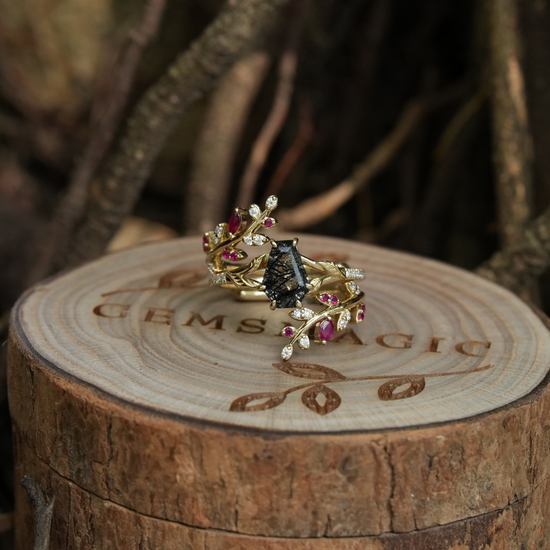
[
  {"x": 215, "y": 239},
  {"x": 296, "y": 314},
  {"x": 302, "y": 314},
  {"x": 248, "y": 240},
  {"x": 219, "y": 230},
  {"x": 352, "y": 286},
  {"x": 218, "y": 278},
  {"x": 352, "y": 273},
  {"x": 286, "y": 353},
  {"x": 259, "y": 240},
  {"x": 271, "y": 202},
  {"x": 343, "y": 320},
  {"x": 307, "y": 313},
  {"x": 254, "y": 211},
  {"x": 357, "y": 291},
  {"x": 211, "y": 268},
  {"x": 303, "y": 342}
]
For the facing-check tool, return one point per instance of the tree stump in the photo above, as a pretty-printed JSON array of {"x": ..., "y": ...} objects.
[{"x": 157, "y": 410}]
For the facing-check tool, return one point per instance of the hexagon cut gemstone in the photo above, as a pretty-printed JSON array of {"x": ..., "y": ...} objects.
[{"x": 285, "y": 277}]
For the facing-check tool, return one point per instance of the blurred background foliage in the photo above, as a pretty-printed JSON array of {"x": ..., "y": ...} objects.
[{"x": 359, "y": 64}]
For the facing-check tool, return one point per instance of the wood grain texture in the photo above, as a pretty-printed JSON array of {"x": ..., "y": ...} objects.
[
  {"x": 149, "y": 347},
  {"x": 129, "y": 416}
]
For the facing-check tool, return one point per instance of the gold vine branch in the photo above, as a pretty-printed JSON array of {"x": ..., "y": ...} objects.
[
  {"x": 221, "y": 244},
  {"x": 319, "y": 376},
  {"x": 222, "y": 248},
  {"x": 322, "y": 320}
]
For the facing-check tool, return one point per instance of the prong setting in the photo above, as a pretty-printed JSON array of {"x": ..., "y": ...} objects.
[{"x": 292, "y": 277}]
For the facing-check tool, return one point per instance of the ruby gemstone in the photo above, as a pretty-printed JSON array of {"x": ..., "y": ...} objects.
[
  {"x": 233, "y": 256},
  {"x": 205, "y": 243},
  {"x": 360, "y": 315},
  {"x": 225, "y": 254},
  {"x": 268, "y": 222},
  {"x": 334, "y": 300},
  {"x": 234, "y": 223},
  {"x": 324, "y": 298},
  {"x": 288, "y": 332},
  {"x": 326, "y": 330}
]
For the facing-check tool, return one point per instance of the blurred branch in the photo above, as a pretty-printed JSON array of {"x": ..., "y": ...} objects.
[
  {"x": 305, "y": 131},
  {"x": 424, "y": 231},
  {"x": 278, "y": 113},
  {"x": 43, "y": 513},
  {"x": 219, "y": 139},
  {"x": 316, "y": 209},
  {"x": 193, "y": 73},
  {"x": 511, "y": 138},
  {"x": 71, "y": 208},
  {"x": 519, "y": 264},
  {"x": 322, "y": 206}
]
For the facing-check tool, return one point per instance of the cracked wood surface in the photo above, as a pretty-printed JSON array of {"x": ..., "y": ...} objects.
[
  {"x": 88, "y": 521},
  {"x": 127, "y": 475}
]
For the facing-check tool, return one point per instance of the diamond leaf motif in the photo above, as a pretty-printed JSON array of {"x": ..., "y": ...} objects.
[
  {"x": 258, "y": 240},
  {"x": 302, "y": 314},
  {"x": 287, "y": 352},
  {"x": 271, "y": 202},
  {"x": 343, "y": 320},
  {"x": 303, "y": 342},
  {"x": 254, "y": 211}
]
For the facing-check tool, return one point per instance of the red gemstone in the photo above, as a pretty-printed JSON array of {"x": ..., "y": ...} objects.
[
  {"x": 234, "y": 223},
  {"x": 288, "y": 332},
  {"x": 326, "y": 330},
  {"x": 205, "y": 243},
  {"x": 234, "y": 256},
  {"x": 360, "y": 315},
  {"x": 362, "y": 308},
  {"x": 324, "y": 298},
  {"x": 269, "y": 222},
  {"x": 226, "y": 254},
  {"x": 334, "y": 300}
]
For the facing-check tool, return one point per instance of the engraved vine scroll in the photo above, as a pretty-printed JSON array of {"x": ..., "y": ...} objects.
[{"x": 321, "y": 399}]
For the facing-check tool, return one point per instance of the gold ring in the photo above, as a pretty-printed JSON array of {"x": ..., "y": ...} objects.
[{"x": 284, "y": 277}]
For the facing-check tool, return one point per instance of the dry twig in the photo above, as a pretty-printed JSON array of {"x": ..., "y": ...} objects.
[
  {"x": 43, "y": 513},
  {"x": 219, "y": 139},
  {"x": 305, "y": 131},
  {"x": 194, "y": 72},
  {"x": 425, "y": 230},
  {"x": 322, "y": 206},
  {"x": 277, "y": 115},
  {"x": 512, "y": 142},
  {"x": 71, "y": 208}
]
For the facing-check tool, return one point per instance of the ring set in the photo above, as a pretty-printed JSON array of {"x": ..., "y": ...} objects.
[{"x": 283, "y": 276}]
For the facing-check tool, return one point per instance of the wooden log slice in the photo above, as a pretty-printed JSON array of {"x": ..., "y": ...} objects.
[{"x": 148, "y": 400}]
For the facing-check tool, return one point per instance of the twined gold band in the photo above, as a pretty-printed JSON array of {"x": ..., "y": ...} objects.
[{"x": 284, "y": 277}]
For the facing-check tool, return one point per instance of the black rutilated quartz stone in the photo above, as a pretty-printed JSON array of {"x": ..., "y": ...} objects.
[{"x": 285, "y": 278}]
